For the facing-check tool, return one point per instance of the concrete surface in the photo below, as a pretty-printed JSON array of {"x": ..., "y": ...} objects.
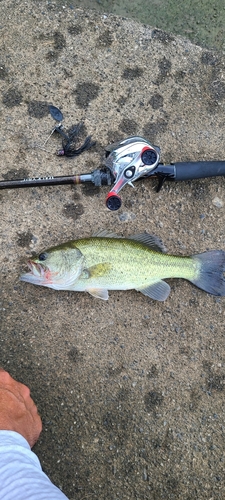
[{"x": 131, "y": 391}]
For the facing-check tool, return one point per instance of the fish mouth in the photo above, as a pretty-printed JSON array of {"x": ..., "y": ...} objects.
[
  {"x": 38, "y": 274},
  {"x": 35, "y": 268}
]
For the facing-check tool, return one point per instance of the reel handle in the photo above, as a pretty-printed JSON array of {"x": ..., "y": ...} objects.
[{"x": 113, "y": 201}]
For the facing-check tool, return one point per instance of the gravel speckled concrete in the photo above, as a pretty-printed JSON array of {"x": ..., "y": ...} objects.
[{"x": 131, "y": 391}]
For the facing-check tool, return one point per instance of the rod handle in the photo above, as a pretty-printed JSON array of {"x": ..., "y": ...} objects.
[{"x": 185, "y": 171}]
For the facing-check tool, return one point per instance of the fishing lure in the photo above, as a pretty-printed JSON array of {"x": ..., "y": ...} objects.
[{"x": 70, "y": 139}]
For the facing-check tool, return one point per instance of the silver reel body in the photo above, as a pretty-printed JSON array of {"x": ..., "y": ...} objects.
[{"x": 128, "y": 160}]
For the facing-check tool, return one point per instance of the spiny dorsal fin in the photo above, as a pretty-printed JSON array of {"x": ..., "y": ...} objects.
[
  {"x": 150, "y": 240},
  {"x": 105, "y": 233}
]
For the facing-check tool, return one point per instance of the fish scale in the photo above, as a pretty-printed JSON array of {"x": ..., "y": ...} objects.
[{"x": 133, "y": 261}]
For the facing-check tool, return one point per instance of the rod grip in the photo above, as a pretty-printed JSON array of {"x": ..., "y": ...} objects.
[{"x": 185, "y": 171}]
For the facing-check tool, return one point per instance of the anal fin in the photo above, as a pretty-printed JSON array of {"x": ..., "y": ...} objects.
[
  {"x": 98, "y": 293},
  {"x": 157, "y": 291}
]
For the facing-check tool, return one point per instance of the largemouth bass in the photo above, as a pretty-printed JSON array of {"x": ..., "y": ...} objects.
[{"x": 109, "y": 262}]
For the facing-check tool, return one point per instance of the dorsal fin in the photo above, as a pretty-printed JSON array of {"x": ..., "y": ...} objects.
[
  {"x": 105, "y": 233},
  {"x": 150, "y": 240},
  {"x": 147, "y": 239}
]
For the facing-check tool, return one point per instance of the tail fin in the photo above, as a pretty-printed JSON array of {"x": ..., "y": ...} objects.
[{"x": 211, "y": 272}]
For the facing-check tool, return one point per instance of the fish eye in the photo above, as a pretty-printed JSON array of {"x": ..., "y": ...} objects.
[{"x": 43, "y": 256}]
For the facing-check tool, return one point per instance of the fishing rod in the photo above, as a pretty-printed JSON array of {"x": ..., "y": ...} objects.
[{"x": 125, "y": 162}]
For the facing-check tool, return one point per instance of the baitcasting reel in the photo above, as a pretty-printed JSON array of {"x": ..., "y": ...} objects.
[{"x": 128, "y": 160}]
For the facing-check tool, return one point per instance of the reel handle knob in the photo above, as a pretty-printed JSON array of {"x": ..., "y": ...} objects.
[{"x": 113, "y": 201}]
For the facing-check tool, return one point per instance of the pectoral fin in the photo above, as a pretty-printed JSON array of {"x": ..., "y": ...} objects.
[
  {"x": 99, "y": 270},
  {"x": 157, "y": 291},
  {"x": 99, "y": 293},
  {"x": 96, "y": 271}
]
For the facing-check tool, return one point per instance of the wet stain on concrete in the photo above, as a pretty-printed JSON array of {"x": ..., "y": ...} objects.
[
  {"x": 217, "y": 90},
  {"x": 172, "y": 484},
  {"x": 13, "y": 97},
  {"x": 162, "y": 36},
  {"x": 156, "y": 101},
  {"x": 116, "y": 420},
  {"x": 129, "y": 127},
  {"x": 201, "y": 190},
  {"x": 38, "y": 109},
  {"x": 75, "y": 29},
  {"x": 3, "y": 72},
  {"x": 114, "y": 371},
  {"x": 214, "y": 381},
  {"x": 74, "y": 355},
  {"x": 76, "y": 195},
  {"x": 85, "y": 92},
  {"x": 90, "y": 190},
  {"x": 152, "y": 129},
  {"x": 195, "y": 399},
  {"x": 72, "y": 211},
  {"x": 132, "y": 73},
  {"x": 153, "y": 399},
  {"x": 113, "y": 136},
  {"x": 59, "y": 41},
  {"x": 121, "y": 101},
  {"x": 21, "y": 173},
  {"x": 52, "y": 55},
  {"x": 153, "y": 372},
  {"x": 180, "y": 76},
  {"x": 24, "y": 239},
  {"x": 67, "y": 73},
  {"x": 212, "y": 85},
  {"x": 164, "y": 66},
  {"x": 105, "y": 39},
  {"x": 209, "y": 58},
  {"x": 174, "y": 96}
]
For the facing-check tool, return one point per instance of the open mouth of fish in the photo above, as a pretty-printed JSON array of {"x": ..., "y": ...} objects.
[
  {"x": 35, "y": 268},
  {"x": 37, "y": 273}
]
